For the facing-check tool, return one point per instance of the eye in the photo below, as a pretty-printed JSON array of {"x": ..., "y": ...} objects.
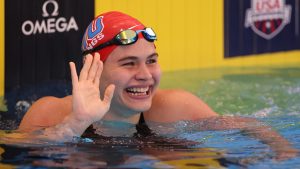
[
  {"x": 151, "y": 61},
  {"x": 128, "y": 64}
]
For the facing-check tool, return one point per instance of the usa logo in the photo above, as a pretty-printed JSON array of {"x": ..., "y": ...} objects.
[
  {"x": 93, "y": 34},
  {"x": 267, "y": 18}
]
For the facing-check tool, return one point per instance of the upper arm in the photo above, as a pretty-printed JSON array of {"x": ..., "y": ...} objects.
[
  {"x": 45, "y": 112},
  {"x": 175, "y": 105}
]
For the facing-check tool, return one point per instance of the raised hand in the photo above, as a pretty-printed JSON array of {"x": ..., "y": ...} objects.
[{"x": 86, "y": 102}]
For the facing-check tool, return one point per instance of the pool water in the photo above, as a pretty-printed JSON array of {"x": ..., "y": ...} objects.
[{"x": 270, "y": 94}]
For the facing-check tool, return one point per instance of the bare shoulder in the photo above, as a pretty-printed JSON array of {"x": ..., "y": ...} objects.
[
  {"x": 45, "y": 112},
  {"x": 174, "y": 105}
]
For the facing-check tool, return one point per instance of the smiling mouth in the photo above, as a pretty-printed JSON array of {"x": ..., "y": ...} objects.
[{"x": 138, "y": 91}]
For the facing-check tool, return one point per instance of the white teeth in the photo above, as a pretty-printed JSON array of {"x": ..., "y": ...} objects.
[{"x": 138, "y": 90}]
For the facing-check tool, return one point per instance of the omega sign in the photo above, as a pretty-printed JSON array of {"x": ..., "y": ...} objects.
[{"x": 51, "y": 23}]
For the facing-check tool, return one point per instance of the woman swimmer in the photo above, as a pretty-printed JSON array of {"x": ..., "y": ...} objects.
[{"x": 118, "y": 83}]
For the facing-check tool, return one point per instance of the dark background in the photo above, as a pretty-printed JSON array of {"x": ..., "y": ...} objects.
[{"x": 37, "y": 65}]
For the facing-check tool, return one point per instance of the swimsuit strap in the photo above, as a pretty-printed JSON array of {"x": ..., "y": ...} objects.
[{"x": 142, "y": 128}]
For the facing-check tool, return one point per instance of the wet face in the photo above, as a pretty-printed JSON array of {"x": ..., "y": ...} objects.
[{"x": 136, "y": 74}]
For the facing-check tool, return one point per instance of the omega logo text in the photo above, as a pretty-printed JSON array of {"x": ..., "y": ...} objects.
[{"x": 49, "y": 24}]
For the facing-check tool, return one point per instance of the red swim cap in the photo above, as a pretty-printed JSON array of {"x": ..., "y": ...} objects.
[{"x": 104, "y": 28}]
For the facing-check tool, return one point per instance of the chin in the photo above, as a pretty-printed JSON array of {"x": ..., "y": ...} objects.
[{"x": 140, "y": 107}]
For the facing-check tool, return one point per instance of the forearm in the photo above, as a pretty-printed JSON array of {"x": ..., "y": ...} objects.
[
  {"x": 267, "y": 135},
  {"x": 258, "y": 130},
  {"x": 65, "y": 131},
  {"x": 69, "y": 128}
]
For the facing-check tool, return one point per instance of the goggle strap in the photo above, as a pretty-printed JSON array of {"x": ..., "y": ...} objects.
[{"x": 145, "y": 34}]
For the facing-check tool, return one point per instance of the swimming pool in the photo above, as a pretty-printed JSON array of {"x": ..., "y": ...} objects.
[{"x": 271, "y": 94}]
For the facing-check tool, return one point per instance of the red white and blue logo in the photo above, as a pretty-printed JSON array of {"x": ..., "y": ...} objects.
[
  {"x": 93, "y": 34},
  {"x": 267, "y": 18}
]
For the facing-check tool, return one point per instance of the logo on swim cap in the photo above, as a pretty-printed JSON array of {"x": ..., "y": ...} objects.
[
  {"x": 97, "y": 34},
  {"x": 93, "y": 34}
]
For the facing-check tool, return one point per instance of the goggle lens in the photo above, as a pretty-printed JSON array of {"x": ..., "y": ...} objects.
[
  {"x": 149, "y": 34},
  {"x": 126, "y": 37}
]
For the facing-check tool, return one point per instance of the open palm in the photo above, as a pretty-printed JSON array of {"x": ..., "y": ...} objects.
[{"x": 86, "y": 103}]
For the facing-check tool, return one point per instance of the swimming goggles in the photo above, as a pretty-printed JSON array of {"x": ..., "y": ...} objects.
[{"x": 126, "y": 37}]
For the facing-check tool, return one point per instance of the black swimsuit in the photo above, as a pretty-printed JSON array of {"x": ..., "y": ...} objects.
[{"x": 142, "y": 129}]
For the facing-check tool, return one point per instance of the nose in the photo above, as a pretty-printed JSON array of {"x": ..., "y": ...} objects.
[{"x": 143, "y": 73}]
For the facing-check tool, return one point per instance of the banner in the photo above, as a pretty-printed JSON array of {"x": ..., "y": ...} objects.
[
  {"x": 41, "y": 37},
  {"x": 261, "y": 26}
]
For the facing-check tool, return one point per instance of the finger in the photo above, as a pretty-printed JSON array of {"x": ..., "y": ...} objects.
[
  {"x": 108, "y": 95},
  {"x": 86, "y": 67},
  {"x": 93, "y": 69},
  {"x": 74, "y": 76},
  {"x": 98, "y": 74}
]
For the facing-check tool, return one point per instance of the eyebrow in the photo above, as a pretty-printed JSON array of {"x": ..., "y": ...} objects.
[{"x": 135, "y": 57}]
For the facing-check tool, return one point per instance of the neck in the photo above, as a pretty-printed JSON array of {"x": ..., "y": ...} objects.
[
  {"x": 114, "y": 124},
  {"x": 122, "y": 117}
]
